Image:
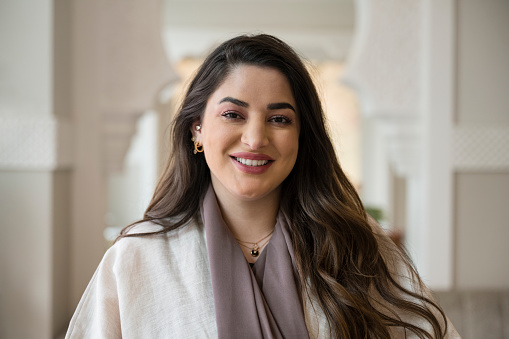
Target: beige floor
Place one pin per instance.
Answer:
(477, 314)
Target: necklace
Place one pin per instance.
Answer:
(255, 246)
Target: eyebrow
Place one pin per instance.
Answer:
(234, 101)
(280, 105)
(274, 106)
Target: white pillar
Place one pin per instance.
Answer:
(67, 68)
(119, 65)
(402, 68)
(35, 163)
(437, 175)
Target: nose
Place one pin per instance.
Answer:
(255, 134)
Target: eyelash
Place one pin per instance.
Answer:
(228, 115)
(286, 119)
(232, 115)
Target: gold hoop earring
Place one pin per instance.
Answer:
(197, 146)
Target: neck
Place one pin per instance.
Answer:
(249, 220)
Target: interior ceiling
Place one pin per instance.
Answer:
(318, 29)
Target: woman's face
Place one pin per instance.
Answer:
(250, 133)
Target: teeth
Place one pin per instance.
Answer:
(250, 162)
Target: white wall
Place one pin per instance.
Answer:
(483, 62)
(25, 254)
(482, 218)
(25, 60)
(482, 191)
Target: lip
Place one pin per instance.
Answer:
(251, 156)
(251, 169)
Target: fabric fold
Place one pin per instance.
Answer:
(260, 303)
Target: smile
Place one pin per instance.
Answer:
(250, 162)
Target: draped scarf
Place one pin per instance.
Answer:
(262, 302)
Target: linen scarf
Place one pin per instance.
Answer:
(259, 303)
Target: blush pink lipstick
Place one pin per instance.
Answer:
(251, 156)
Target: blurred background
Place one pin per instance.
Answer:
(417, 101)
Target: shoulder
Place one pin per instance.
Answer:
(142, 243)
(140, 260)
(160, 230)
(153, 272)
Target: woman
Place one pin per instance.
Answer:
(254, 231)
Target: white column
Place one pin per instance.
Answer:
(438, 104)
(402, 68)
(35, 163)
(119, 65)
(67, 69)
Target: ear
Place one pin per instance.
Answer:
(196, 129)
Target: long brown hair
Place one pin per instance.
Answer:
(343, 263)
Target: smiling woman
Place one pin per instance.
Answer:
(254, 231)
(250, 134)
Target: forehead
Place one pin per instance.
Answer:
(255, 83)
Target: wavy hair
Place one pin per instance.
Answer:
(344, 264)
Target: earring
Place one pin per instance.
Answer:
(198, 127)
(197, 147)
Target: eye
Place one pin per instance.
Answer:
(231, 115)
(281, 119)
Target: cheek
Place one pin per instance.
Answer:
(217, 142)
(295, 149)
(216, 139)
(290, 144)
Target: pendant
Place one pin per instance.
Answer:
(254, 251)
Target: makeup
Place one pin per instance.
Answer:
(251, 163)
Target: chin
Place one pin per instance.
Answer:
(252, 194)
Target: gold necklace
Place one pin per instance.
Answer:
(255, 245)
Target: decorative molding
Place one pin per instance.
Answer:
(30, 143)
(403, 145)
(318, 30)
(384, 64)
(184, 42)
(118, 130)
(481, 148)
(133, 69)
(131, 59)
(401, 68)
